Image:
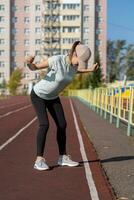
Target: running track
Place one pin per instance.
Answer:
(18, 179)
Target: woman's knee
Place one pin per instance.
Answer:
(44, 126)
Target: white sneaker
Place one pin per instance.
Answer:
(65, 160)
(41, 164)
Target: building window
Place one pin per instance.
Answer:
(26, 20)
(65, 51)
(2, 18)
(2, 30)
(98, 42)
(37, 19)
(86, 18)
(14, 30)
(26, 42)
(2, 7)
(37, 41)
(37, 75)
(71, 6)
(14, 8)
(25, 86)
(86, 30)
(71, 29)
(100, 19)
(14, 42)
(37, 7)
(98, 8)
(98, 31)
(2, 75)
(27, 8)
(26, 31)
(37, 52)
(2, 64)
(70, 17)
(14, 19)
(14, 53)
(2, 41)
(2, 52)
(26, 75)
(38, 30)
(86, 41)
(26, 53)
(86, 7)
(69, 40)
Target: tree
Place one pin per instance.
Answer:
(130, 62)
(116, 51)
(3, 84)
(14, 81)
(96, 78)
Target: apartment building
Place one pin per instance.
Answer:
(20, 35)
(48, 27)
(4, 40)
(101, 32)
(83, 20)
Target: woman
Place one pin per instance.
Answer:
(44, 95)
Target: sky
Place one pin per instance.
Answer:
(120, 20)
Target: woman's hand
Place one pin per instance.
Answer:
(29, 60)
(94, 67)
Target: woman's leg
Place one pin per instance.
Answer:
(56, 110)
(40, 108)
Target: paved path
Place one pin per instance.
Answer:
(114, 148)
(18, 179)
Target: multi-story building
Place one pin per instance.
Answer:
(83, 20)
(100, 32)
(4, 40)
(20, 35)
(48, 27)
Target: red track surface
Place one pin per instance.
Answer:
(18, 179)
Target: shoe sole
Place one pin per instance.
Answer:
(41, 169)
(68, 165)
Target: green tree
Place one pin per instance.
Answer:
(96, 78)
(14, 81)
(130, 62)
(120, 60)
(3, 85)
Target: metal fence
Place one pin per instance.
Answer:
(117, 102)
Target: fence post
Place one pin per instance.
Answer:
(106, 101)
(97, 100)
(130, 111)
(112, 102)
(119, 109)
(101, 102)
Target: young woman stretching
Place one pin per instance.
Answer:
(44, 96)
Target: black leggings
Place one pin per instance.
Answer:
(55, 108)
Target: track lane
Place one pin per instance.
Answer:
(12, 100)
(20, 181)
(10, 124)
(8, 107)
(23, 182)
(14, 111)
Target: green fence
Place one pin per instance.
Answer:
(117, 102)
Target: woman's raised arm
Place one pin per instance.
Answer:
(32, 66)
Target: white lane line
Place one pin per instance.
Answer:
(14, 111)
(13, 104)
(89, 177)
(17, 134)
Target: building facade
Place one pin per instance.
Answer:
(48, 27)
